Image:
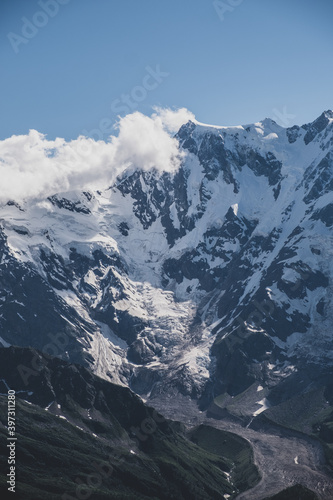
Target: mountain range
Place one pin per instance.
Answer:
(210, 284)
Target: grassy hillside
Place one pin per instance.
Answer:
(297, 492)
(235, 449)
(99, 441)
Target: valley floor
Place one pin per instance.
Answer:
(284, 457)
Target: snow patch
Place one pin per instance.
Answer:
(4, 343)
(264, 403)
(235, 208)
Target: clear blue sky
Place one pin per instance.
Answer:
(265, 55)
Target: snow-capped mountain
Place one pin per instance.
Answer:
(203, 281)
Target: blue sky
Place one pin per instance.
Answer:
(91, 59)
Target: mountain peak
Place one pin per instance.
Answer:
(328, 114)
(317, 126)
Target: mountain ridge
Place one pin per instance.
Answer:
(79, 434)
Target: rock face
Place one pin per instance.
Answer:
(200, 282)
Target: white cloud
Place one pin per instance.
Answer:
(33, 167)
(143, 142)
(173, 120)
